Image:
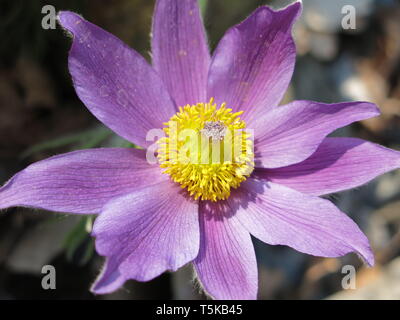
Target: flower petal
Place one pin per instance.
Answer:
(254, 62)
(149, 231)
(226, 264)
(81, 181)
(180, 51)
(290, 134)
(116, 84)
(279, 215)
(109, 280)
(337, 165)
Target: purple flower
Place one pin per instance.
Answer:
(150, 222)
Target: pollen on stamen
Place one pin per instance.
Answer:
(206, 150)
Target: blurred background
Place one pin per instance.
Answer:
(40, 115)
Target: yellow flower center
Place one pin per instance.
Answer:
(207, 150)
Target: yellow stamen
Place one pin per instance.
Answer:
(206, 150)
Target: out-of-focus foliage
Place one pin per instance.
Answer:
(84, 140)
(78, 244)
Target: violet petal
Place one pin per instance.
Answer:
(254, 62)
(179, 49)
(290, 134)
(278, 215)
(81, 181)
(338, 164)
(149, 231)
(114, 82)
(226, 265)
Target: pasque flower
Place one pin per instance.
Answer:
(158, 217)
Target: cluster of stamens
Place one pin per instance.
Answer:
(206, 150)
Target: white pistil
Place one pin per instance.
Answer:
(215, 130)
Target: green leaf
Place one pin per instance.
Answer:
(203, 7)
(86, 139)
(95, 139)
(78, 244)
